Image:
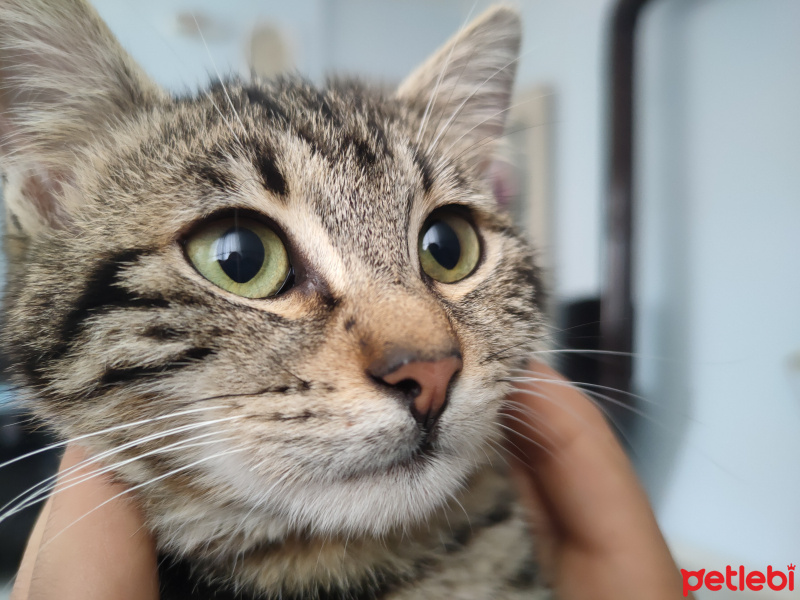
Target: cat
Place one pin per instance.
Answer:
(283, 315)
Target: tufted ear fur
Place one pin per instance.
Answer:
(63, 80)
(464, 90)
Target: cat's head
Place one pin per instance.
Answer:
(284, 307)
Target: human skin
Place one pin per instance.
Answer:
(78, 551)
(597, 533)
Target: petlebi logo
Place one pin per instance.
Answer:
(739, 579)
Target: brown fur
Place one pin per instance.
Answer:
(294, 476)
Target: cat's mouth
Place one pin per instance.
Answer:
(418, 457)
(429, 435)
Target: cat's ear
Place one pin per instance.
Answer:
(63, 80)
(463, 92)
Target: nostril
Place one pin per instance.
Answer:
(423, 386)
(409, 388)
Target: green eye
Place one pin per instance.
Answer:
(449, 249)
(240, 255)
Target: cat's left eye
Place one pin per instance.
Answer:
(240, 255)
(449, 248)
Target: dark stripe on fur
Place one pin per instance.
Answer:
(103, 290)
(425, 171)
(271, 177)
(462, 536)
(260, 97)
(163, 333)
(278, 116)
(179, 581)
(215, 176)
(124, 375)
(365, 156)
(526, 576)
(331, 141)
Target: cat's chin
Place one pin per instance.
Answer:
(373, 505)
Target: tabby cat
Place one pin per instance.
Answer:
(284, 315)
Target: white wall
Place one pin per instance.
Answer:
(718, 271)
(565, 48)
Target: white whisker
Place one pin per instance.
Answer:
(533, 428)
(222, 83)
(575, 386)
(581, 384)
(526, 438)
(461, 106)
(63, 485)
(495, 115)
(146, 483)
(104, 431)
(435, 92)
(594, 397)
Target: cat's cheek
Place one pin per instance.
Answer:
(470, 419)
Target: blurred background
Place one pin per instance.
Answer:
(714, 428)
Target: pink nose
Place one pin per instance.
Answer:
(424, 385)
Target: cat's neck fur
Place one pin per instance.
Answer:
(299, 565)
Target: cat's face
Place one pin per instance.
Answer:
(260, 401)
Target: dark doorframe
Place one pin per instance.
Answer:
(616, 307)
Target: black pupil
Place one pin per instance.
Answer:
(442, 242)
(240, 253)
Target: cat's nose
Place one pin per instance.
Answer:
(424, 385)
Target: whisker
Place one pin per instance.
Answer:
(47, 482)
(540, 377)
(146, 483)
(463, 104)
(62, 443)
(533, 428)
(104, 431)
(435, 92)
(466, 514)
(591, 392)
(584, 351)
(524, 437)
(637, 355)
(593, 398)
(497, 114)
(499, 450)
(507, 440)
(551, 400)
(59, 486)
(219, 77)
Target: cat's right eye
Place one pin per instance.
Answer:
(240, 255)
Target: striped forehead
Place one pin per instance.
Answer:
(341, 154)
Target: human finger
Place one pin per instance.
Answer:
(601, 522)
(89, 544)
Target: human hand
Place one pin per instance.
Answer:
(597, 535)
(78, 551)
